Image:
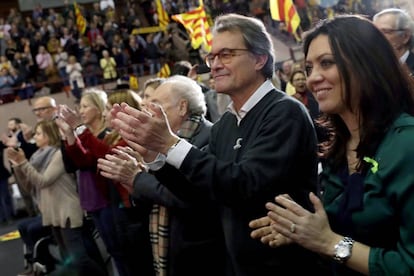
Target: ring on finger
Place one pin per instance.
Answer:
(293, 228)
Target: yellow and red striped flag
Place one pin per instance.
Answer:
(165, 71)
(163, 17)
(196, 24)
(80, 20)
(284, 10)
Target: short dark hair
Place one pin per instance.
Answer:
(16, 120)
(181, 68)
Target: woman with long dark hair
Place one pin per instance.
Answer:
(364, 220)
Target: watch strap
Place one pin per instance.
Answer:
(80, 129)
(345, 242)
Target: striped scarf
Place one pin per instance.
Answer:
(159, 223)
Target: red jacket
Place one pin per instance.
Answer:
(86, 152)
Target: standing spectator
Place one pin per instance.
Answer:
(108, 66)
(74, 71)
(61, 60)
(4, 35)
(136, 56)
(254, 153)
(121, 60)
(45, 64)
(284, 75)
(172, 221)
(31, 229)
(153, 53)
(107, 203)
(81, 48)
(90, 67)
(104, 4)
(11, 49)
(93, 32)
(52, 44)
(15, 134)
(98, 46)
(5, 63)
(6, 204)
(302, 93)
(56, 192)
(367, 181)
(23, 87)
(37, 12)
(6, 86)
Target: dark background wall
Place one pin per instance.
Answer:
(5, 6)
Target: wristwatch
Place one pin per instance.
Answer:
(343, 250)
(80, 129)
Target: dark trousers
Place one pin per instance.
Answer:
(76, 91)
(74, 253)
(31, 230)
(6, 205)
(104, 222)
(126, 239)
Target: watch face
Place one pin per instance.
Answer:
(343, 251)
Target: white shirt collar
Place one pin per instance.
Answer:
(265, 88)
(404, 57)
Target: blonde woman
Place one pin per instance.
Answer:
(119, 223)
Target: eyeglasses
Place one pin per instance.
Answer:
(390, 31)
(225, 56)
(41, 109)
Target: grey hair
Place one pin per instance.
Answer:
(403, 21)
(186, 88)
(255, 36)
(153, 82)
(52, 102)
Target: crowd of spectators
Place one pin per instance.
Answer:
(36, 46)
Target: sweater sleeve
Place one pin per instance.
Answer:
(81, 155)
(31, 176)
(395, 180)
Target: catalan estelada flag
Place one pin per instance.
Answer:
(80, 20)
(196, 24)
(284, 10)
(163, 18)
(165, 71)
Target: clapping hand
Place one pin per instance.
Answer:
(15, 155)
(121, 166)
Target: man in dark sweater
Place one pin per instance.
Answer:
(265, 145)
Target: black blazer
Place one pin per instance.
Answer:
(410, 62)
(196, 244)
